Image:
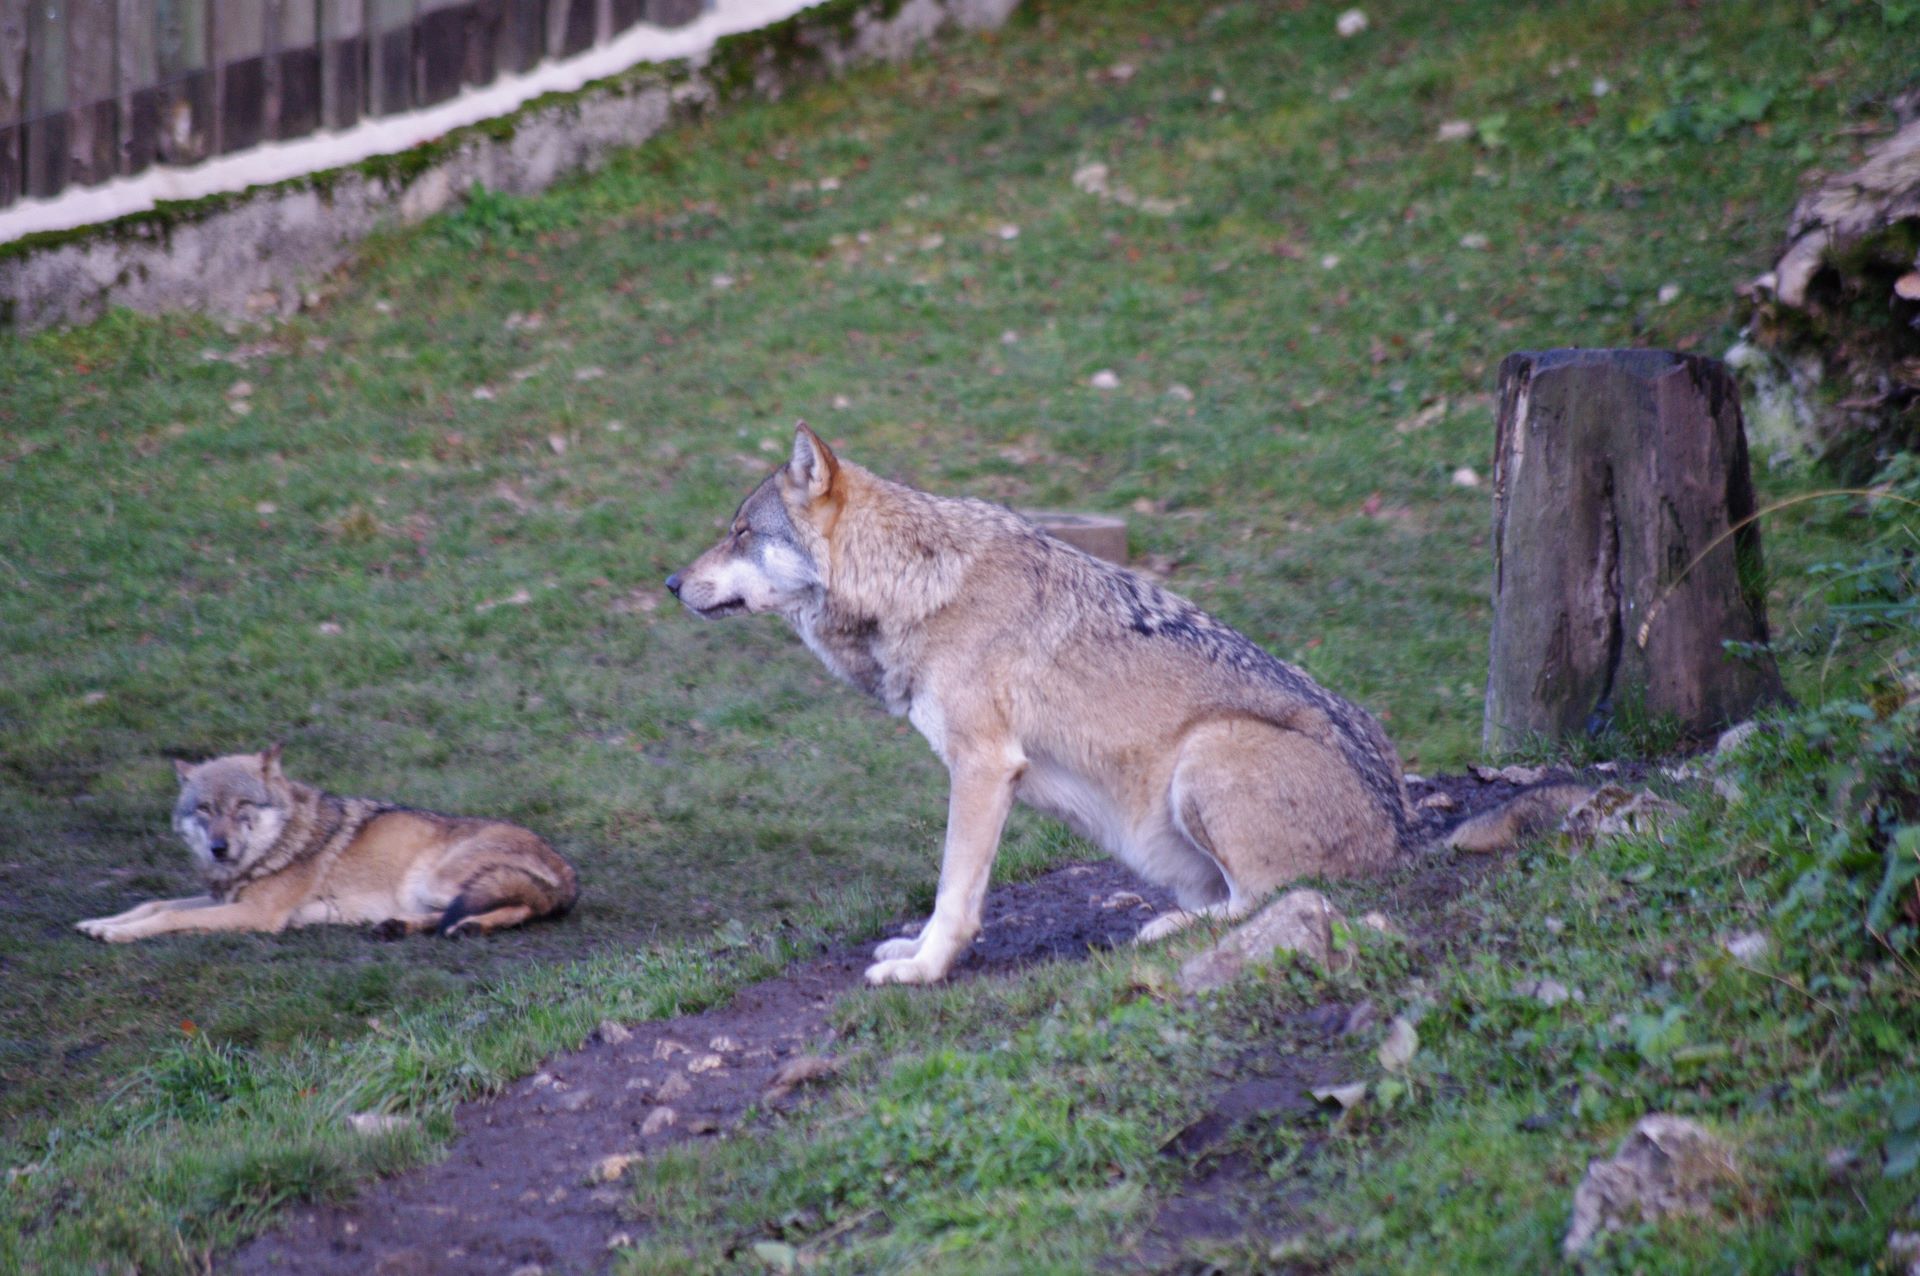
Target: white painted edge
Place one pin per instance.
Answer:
(273, 162)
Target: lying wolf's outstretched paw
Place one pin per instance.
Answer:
(909, 970)
(105, 930)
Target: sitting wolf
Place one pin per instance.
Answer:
(278, 853)
(1037, 672)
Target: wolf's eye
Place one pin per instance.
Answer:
(203, 810)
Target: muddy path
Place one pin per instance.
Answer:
(526, 1187)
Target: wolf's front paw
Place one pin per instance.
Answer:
(103, 928)
(904, 948)
(908, 970)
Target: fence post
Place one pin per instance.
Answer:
(523, 35)
(46, 160)
(185, 95)
(293, 34)
(135, 72)
(93, 108)
(239, 31)
(343, 58)
(389, 56)
(440, 49)
(13, 96)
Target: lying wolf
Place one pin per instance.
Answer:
(1040, 673)
(278, 853)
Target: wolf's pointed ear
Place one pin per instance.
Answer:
(182, 768)
(270, 761)
(814, 464)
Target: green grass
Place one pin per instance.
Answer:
(186, 569)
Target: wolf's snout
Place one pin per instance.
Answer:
(217, 848)
(673, 584)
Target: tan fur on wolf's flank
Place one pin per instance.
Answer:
(1039, 673)
(289, 854)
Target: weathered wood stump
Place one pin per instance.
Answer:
(1842, 305)
(1613, 471)
(1101, 535)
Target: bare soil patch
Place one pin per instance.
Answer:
(520, 1188)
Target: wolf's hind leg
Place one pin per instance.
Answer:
(1272, 804)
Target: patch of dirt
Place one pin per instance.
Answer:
(520, 1188)
(517, 1187)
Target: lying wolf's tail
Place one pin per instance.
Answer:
(506, 894)
(1526, 813)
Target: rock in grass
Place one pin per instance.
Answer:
(378, 1123)
(801, 1071)
(1668, 1165)
(1299, 921)
(1548, 992)
(657, 1120)
(614, 1034)
(610, 1169)
(1903, 1253)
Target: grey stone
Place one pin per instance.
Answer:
(1667, 1165)
(1299, 921)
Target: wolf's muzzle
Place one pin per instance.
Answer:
(673, 584)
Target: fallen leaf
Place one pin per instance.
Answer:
(1397, 1049)
(1344, 1095)
(518, 598)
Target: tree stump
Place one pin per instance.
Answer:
(1613, 471)
(1841, 306)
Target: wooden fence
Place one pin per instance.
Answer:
(96, 89)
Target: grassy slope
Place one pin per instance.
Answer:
(171, 562)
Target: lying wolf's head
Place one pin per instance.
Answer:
(773, 557)
(231, 810)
